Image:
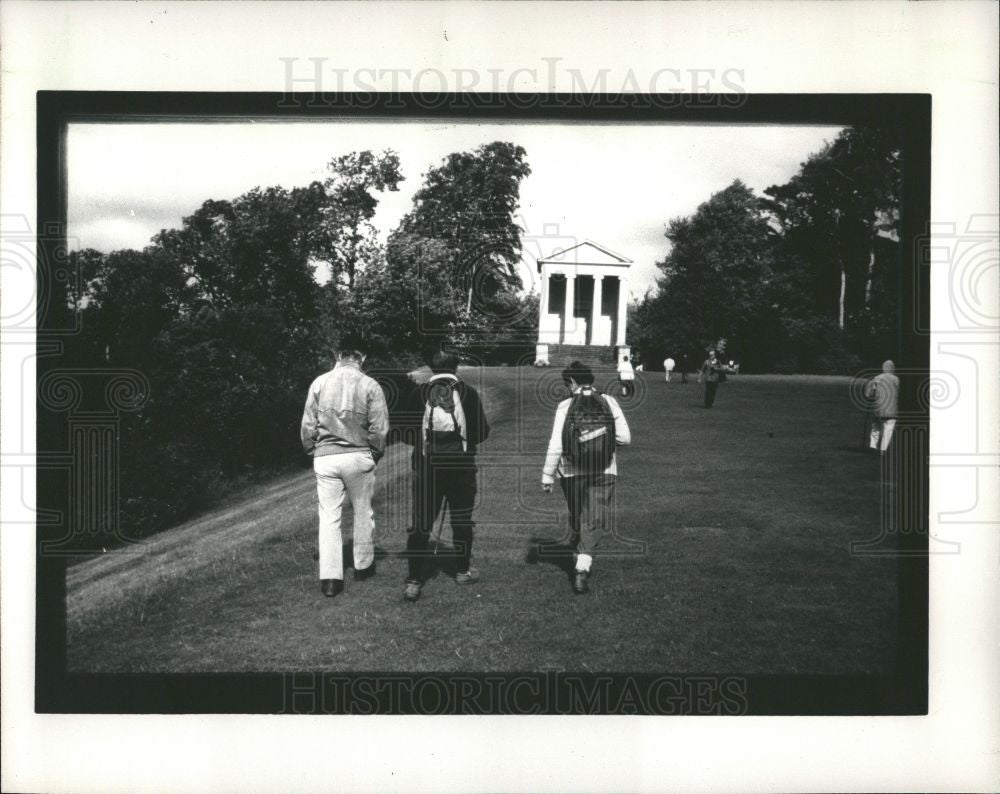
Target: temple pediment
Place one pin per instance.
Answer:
(586, 253)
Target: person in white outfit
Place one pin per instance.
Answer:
(668, 367)
(626, 375)
(344, 429)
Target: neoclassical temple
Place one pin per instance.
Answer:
(582, 304)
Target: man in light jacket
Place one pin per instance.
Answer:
(883, 391)
(589, 495)
(344, 429)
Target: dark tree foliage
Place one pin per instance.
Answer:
(837, 232)
(468, 203)
(716, 282)
(803, 279)
(222, 317)
(347, 236)
(225, 318)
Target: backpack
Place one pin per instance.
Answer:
(442, 434)
(588, 436)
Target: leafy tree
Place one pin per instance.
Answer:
(468, 204)
(347, 237)
(803, 279)
(257, 249)
(124, 300)
(406, 300)
(716, 280)
(832, 216)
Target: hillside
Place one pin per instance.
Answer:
(732, 555)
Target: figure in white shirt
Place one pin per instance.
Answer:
(626, 376)
(668, 367)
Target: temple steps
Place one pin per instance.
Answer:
(595, 356)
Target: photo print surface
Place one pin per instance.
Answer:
(724, 294)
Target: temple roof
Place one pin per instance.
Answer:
(586, 253)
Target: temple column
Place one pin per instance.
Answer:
(570, 323)
(543, 302)
(622, 311)
(595, 313)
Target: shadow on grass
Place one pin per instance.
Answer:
(558, 553)
(442, 557)
(347, 549)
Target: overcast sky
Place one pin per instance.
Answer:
(616, 184)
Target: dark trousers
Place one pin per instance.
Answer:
(435, 484)
(710, 387)
(590, 499)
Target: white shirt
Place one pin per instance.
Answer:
(555, 461)
(668, 364)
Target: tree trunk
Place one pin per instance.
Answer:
(843, 291)
(468, 303)
(843, 271)
(868, 279)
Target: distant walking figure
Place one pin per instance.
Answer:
(684, 368)
(626, 375)
(711, 372)
(344, 427)
(587, 428)
(668, 367)
(883, 390)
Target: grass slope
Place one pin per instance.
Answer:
(731, 555)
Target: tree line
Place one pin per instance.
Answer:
(228, 322)
(803, 278)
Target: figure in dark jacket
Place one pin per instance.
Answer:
(444, 469)
(711, 372)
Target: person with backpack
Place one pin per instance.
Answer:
(588, 427)
(344, 427)
(444, 465)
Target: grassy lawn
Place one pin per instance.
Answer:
(731, 555)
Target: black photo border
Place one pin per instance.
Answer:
(904, 692)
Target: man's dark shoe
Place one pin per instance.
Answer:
(331, 587)
(580, 585)
(364, 573)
